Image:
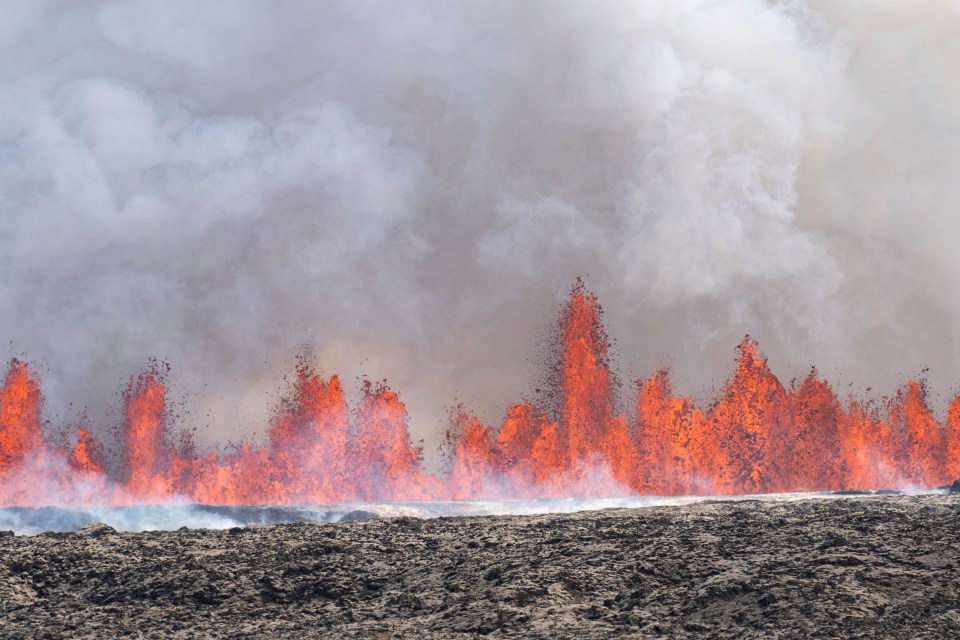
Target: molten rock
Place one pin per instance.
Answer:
(758, 436)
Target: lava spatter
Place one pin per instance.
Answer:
(758, 436)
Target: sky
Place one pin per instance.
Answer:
(408, 191)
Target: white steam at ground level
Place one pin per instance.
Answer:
(174, 515)
(406, 188)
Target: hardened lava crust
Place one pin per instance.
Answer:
(854, 567)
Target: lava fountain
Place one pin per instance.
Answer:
(757, 437)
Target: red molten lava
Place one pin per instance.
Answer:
(20, 403)
(757, 437)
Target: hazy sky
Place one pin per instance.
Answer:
(407, 190)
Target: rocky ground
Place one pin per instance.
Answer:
(853, 567)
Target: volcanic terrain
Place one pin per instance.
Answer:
(878, 566)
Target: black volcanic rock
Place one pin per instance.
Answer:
(357, 515)
(852, 567)
(97, 530)
(955, 487)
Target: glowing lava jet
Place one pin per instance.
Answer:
(757, 437)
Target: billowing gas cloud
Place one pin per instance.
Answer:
(405, 189)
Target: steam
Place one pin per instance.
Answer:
(405, 188)
(171, 516)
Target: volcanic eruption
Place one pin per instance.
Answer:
(758, 436)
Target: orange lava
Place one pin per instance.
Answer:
(87, 454)
(145, 427)
(758, 437)
(20, 404)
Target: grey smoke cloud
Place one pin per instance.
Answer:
(408, 189)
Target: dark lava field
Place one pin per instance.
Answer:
(855, 567)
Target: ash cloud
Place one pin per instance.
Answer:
(408, 189)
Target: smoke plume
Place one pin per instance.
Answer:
(405, 190)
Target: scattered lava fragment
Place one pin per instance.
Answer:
(757, 437)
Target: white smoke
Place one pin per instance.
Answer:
(407, 188)
(168, 517)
